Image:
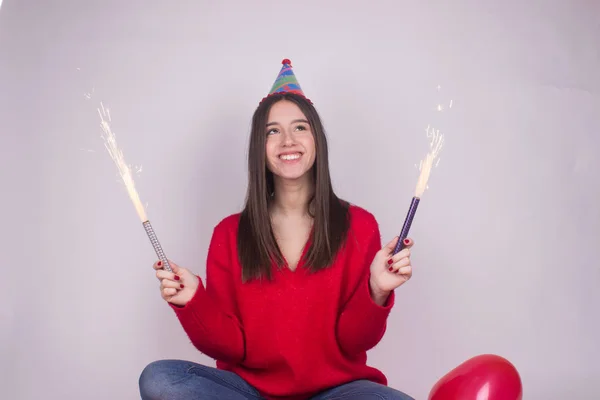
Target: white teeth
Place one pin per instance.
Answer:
(290, 156)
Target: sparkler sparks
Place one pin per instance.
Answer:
(125, 171)
(435, 147)
(126, 174)
(436, 142)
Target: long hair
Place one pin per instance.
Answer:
(257, 247)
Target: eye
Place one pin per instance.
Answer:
(301, 128)
(272, 131)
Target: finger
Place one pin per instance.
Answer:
(408, 243)
(405, 271)
(168, 292)
(162, 274)
(165, 283)
(405, 253)
(403, 262)
(174, 267)
(161, 265)
(388, 248)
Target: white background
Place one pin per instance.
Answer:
(504, 256)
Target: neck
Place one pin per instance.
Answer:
(291, 197)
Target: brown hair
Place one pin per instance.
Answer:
(257, 247)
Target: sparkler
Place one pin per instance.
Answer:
(126, 175)
(436, 141)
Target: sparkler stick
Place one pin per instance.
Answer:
(126, 174)
(435, 146)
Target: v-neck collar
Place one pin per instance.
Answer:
(301, 263)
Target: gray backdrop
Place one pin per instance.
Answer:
(504, 256)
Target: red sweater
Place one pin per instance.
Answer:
(299, 334)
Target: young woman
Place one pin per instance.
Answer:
(298, 286)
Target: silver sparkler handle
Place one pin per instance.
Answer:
(157, 247)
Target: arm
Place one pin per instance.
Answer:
(362, 322)
(209, 318)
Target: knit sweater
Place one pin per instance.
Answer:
(298, 334)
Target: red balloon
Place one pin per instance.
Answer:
(484, 377)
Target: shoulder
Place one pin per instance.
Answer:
(224, 234)
(230, 221)
(361, 219)
(227, 225)
(364, 228)
(364, 237)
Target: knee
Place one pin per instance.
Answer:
(377, 391)
(154, 381)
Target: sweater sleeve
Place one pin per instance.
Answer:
(209, 318)
(362, 322)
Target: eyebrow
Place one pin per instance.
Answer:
(293, 122)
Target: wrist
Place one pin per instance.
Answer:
(377, 295)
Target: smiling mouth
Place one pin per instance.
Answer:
(290, 157)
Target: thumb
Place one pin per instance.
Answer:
(389, 248)
(174, 267)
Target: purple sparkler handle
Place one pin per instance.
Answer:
(407, 223)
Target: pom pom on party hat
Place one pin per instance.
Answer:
(286, 81)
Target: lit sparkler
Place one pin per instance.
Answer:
(126, 174)
(436, 141)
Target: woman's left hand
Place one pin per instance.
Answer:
(390, 271)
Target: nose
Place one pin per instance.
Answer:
(287, 138)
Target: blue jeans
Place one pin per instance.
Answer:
(184, 380)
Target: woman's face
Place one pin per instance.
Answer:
(290, 144)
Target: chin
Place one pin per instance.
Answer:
(292, 176)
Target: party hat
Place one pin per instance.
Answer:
(286, 80)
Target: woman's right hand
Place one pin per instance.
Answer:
(177, 287)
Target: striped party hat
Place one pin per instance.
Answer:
(286, 80)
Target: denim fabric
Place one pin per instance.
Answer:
(184, 380)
